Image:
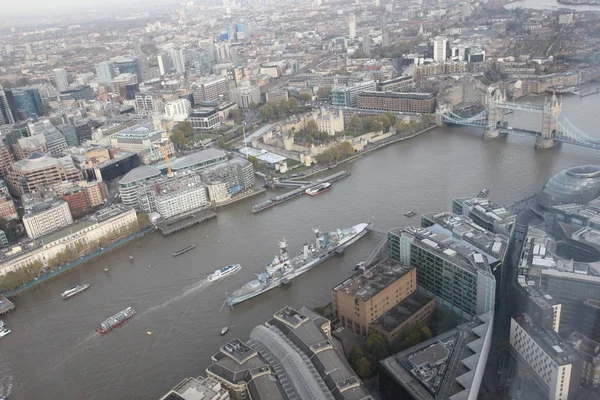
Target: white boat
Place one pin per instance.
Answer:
(74, 290)
(224, 330)
(1, 324)
(320, 188)
(4, 332)
(223, 272)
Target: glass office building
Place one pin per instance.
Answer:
(29, 101)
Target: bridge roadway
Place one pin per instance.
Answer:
(296, 192)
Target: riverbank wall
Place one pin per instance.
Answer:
(30, 285)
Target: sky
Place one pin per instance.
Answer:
(61, 5)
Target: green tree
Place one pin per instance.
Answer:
(377, 346)
(267, 112)
(363, 368)
(237, 116)
(254, 161)
(186, 127)
(426, 333)
(178, 138)
(355, 124)
(391, 117)
(311, 127)
(324, 92)
(252, 106)
(305, 97)
(293, 103)
(143, 220)
(356, 353)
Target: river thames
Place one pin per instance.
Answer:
(53, 351)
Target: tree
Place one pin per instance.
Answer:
(363, 368)
(377, 346)
(284, 107)
(311, 127)
(186, 127)
(356, 353)
(293, 103)
(355, 124)
(252, 106)
(267, 112)
(426, 333)
(305, 97)
(178, 138)
(254, 161)
(237, 116)
(324, 92)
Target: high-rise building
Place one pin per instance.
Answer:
(28, 102)
(366, 35)
(589, 351)
(178, 110)
(7, 208)
(557, 366)
(6, 159)
(8, 108)
(209, 88)
(121, 81)
(38, 170)
(46, 218)
(70, 134)
(453, 271)
(352, 26)
(61, 78)
(105, 72)
(246, 95)
(165, 64)
(129, 65)
(28, 145)
(77, 92)
(440, 45)
(178, 60)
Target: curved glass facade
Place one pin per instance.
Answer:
(579, 185)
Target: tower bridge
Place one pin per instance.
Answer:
(555, 127)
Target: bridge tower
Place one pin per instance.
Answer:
(495, 114)
(441, 110)
(551, 112)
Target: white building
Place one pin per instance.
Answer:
(440, 44)
(136, 138)
(556, 365)
(209, 88)
(245, 95)
(178, 110)
(144, 103)
(105, 71)
(128, 185)
(48, 218)
(62, 79)
(330, 122)
(112, 219)
(217, 191)
(352, 26)
(198, 389)
(178, 60)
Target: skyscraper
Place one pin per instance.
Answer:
(164, 64)
(8, 108)
(62, 80)
(352, 26)
(439, 49)
(178, 60)
(366, 41)
(129, 65)
(28, 101)
(105, 72)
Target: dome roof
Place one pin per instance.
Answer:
(580, 184)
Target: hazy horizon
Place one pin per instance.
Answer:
(24, 6)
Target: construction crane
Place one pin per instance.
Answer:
(165, 152)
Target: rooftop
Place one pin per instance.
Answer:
(548, 340)
(401, 312)
(442, 367)
(196, 389)
(374, 280)
(398, 95)
(139, 174)
(200, 157)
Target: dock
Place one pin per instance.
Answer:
(296, 192)
(170, 227)
(6, 305)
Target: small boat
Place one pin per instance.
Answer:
(179, 252)
(106, 269)
(73, 290)
(1, 324)
(149, 266)
(130, 258)
(483, 193)
(320, 188)
(4, 331)
(116, 320)
(149, 333)
(223, 272)
(224, 330)
(409, 214)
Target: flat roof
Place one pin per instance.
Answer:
(431, 355)
(401, 312)
(374, 280)
(398, 95)
(552, 344)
